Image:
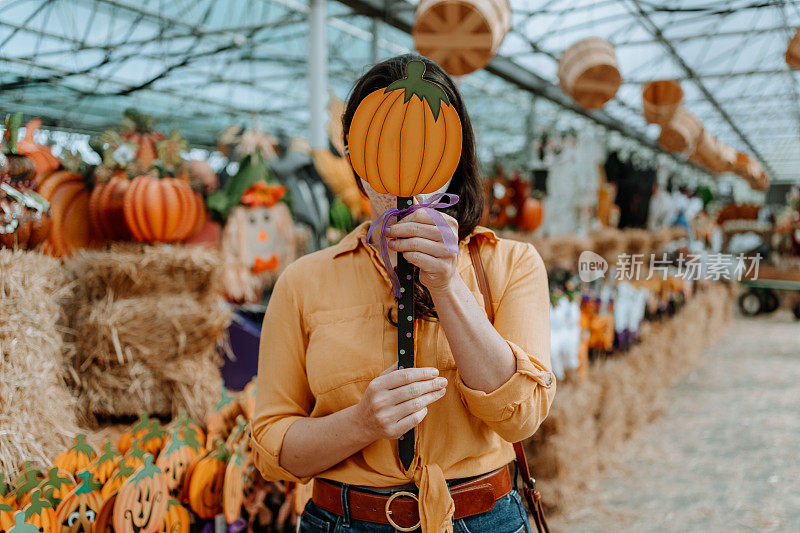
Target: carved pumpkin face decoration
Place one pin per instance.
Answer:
(206, 483)
(175, 461)
(406, 139)
(142, 500)
(78, 510)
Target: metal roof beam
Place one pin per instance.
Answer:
(520, 77)
(697, 37)
(654, 30)
(713, 75)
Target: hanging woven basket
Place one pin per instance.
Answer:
(681, 132)
(660, 100)
(793, 51)
(461, 36)
(589, 73)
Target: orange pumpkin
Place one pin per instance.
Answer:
(6, 491)
(142, 501)
(404, 145)
(29, 479)
(104, 523)
(206, 481)
(41, 155)
(137, 431)
(7, 517)
(177, 519)
(57, 485)
(135, 456)
(152, 441)
(40, 514)
(106, 208)
(69, 207)
(234, 483)
(138, 129)
(79, 509)
(103, 467)
(116, 481)
(175, 461)
(160, 210)
(531, 215)
(221, 420)
(188, 430)
(78, 457)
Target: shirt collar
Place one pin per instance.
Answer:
(358, 236)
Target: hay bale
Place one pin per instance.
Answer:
(639, 241)
(129, 270)
(37, 410)
(148, 328)
(194, 385)
(609, 244)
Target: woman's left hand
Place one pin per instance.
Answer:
(418, 238)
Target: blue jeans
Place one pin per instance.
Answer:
(508, 516)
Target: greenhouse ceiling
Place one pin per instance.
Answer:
(200, 65)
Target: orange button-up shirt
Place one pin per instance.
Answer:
(326, 336)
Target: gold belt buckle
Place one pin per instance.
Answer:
(389, 511)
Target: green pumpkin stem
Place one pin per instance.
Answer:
(414, 84)
(88, 483)
(225, 398)
(37, 504)
(109, 454)
(21, 526)
(148, 470)
(81, 446)
(5, 488)
(54, 480)
(143, 423)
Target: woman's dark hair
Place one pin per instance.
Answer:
(466, 182)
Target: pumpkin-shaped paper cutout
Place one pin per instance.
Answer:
(41, 514)
(77, 457)
(206, 482)
(57, 485)
(78, 510)
(29, 479)
(137, 431)
(406, 139)
(177, 519)
(20, 525)
(234, 483)
(104, 523)
(6, 490)
(185, 424)
(175, 461)
(104, 466)
(135, 456)
(116, 481)
(7, 517)
(221, 420)
(142, 500)
(152, 441)
(247, 399)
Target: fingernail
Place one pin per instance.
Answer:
(441, 382)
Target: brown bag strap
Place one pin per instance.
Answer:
(532, 495)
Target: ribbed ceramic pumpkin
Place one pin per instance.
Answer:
(206, 481)
(79, 509)
(160, 210)
(142, 501)
(406, 139)
(40, 514)
(78, 457)
(56, 485)
(104, 466)
(69, 206)
(177, 519)
(175, 460)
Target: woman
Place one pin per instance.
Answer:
(332, 403)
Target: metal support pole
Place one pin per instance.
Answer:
(373, 52)
(317, 72)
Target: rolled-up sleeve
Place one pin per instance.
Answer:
(522, 317)
(282, 392)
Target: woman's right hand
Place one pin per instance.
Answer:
(397, 400)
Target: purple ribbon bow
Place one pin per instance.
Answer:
(448, 236)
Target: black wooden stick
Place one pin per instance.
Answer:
(405, 333)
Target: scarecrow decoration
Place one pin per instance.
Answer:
(405, 140)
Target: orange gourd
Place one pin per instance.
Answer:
(40, 514)
(78, 457)
(206, 481)
(160, 210)
(531, 215)
(41, 155)
(106, 208)
(104, 466)
(142, 501)
(79, 509)
(406, 139)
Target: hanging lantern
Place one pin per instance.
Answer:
(461, 36)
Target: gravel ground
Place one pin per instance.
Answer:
(725, 455)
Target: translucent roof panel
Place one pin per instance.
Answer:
(200, 65)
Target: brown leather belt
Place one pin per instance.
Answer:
(400, 509)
